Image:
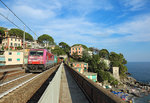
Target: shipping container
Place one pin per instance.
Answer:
(55, 59)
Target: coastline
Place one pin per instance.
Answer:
(131, 90)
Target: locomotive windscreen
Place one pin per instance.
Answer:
(36, 53)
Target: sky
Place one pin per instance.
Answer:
(121, 26)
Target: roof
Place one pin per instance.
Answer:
(89, 73)
(79, 63)
(77, 46)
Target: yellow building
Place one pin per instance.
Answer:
(77, 49)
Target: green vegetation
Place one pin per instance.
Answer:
(65, 47)
(45, 39)
(100, 67)
(19, 33)
(2, 31)
(58, 51)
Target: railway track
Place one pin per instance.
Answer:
(22, 88)
(10, 74)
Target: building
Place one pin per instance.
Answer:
(52, 46)
(11, 42)
(77, 49)
(90, 53)
(106, 61)
(90, 75)
(11, 57)
(115, 71)
(32, 44)
(2, 58)
(80, 66)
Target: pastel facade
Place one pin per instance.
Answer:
(11, 58)
(11, 42)
(80, 66)
(90, 75)
(77, 49)
(2, 58)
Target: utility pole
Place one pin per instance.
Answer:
(24, 47)
(35, 41)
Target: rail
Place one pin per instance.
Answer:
(95, 93)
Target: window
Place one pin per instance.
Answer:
(11, 39)
(79, 48)
(15, 44)
(3, 43)
(18, 59)
(15, 39)
(79, 51)
(18, 53)
(72, 48)
(18, 44)
(36, 53)
(76, 48)
(18, 39)
(9, 59)
(11, 44)
(10, 53)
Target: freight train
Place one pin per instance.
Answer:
(40, 60)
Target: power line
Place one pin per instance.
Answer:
(10, 21)
(18, 17)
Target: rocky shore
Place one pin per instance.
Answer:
(129, 88)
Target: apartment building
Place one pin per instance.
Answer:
(77, 49)
(11, 42)
(80, 66)
(12, 58)
(91, 75)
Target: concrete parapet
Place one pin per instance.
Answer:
(94, 93)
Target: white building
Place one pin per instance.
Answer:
(90, 53)
(106, 61)
(11, 42)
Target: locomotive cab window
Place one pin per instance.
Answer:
(40, 53)
(36, 53)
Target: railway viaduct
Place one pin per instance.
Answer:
(66, 86)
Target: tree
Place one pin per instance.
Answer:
(119, 61)
(65, 47)
(45, 39)
(103, 66)
(85, 56)
(19, 33)
(75, 56)
(2, 33)
(104, 53)
(58, 51)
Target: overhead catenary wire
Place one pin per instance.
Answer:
(18, 17)
(10, 21)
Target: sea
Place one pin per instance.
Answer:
(141, 72)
